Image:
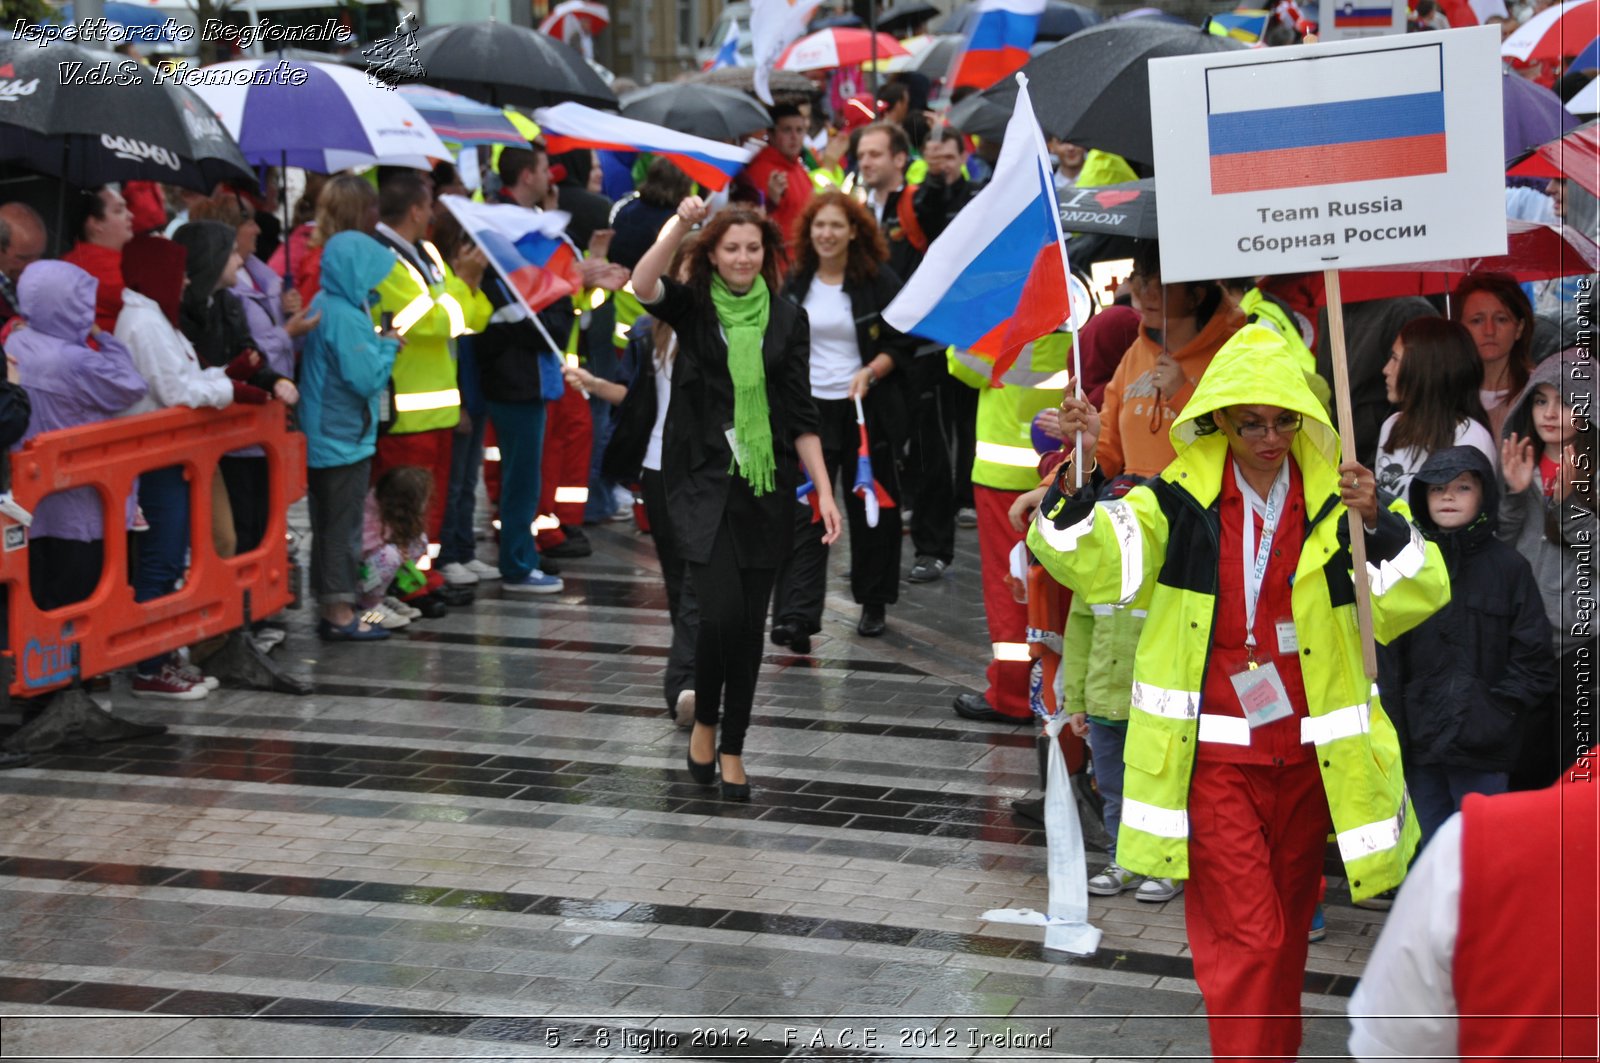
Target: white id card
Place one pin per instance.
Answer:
(1288, 640)
(733, 445)
(1262, 695)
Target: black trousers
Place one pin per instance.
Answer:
(250, 495)
(874, 552)
(733, 614)
(930, 466)
(64, 571)
(682, 605)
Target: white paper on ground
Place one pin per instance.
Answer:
(1067, 926)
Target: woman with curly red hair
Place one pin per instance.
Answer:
(842, 280)
(739, 423)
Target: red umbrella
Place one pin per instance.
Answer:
(1555, 33)
(1576, 155)
(1535, 252)
(834, 48)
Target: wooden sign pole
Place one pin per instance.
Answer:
(1347, 452)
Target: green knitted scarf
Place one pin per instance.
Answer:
(744, 321)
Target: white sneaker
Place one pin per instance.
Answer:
(399, 608)
(1157, 890)
(379, 616)
(482, 569)
(457, 573)
(685, 709)
(1113, 880)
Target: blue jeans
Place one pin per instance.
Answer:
(519, 429)
(164, 498)
(457, 543)
(600, 506)
(1437, 792)
(1105, 746)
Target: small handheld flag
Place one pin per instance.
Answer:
(866, 487)
(528, 249)
(708, 162)
(997, 43)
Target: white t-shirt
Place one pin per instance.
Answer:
(1396, 469)
(835, 355)
(652, 453)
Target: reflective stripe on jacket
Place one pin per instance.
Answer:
(1005, 457)
(429, 315)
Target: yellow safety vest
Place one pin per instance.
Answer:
(1005, 457)
(429, 313)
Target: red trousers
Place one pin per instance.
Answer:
(1008, 618)
(1256, 839)
(564, 469)
(431, 450)
(491, 465)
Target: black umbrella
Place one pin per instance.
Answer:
(980, 117)
(1127, 209)
(88, 134)
(906, 15)
(503, 64)
(704, 110)
(934, 61)
(1094, 89)
(1059, 21)
(786, 85)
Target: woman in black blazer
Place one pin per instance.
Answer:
(730, 466)
(842, 281)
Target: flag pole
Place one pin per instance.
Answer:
(1066, 278)
(1347, 452)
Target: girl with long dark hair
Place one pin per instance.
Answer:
(740, 421)
(1434, 376)
(1495, 311)
(843, 281)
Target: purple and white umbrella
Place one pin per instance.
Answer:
(331, 120)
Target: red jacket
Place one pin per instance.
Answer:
(1524, 971)
(787, 211)
(105, 266)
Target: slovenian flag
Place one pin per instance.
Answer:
(1354, 16)
(997, 42)
(996, 279)
(529, 249)
(1373, 116)
(708, 163)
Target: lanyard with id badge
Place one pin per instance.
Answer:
(1259, 687)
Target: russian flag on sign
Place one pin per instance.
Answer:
(1351, 16)
(529, 249)
(708, 162)
(997, 44)
(1372, 116)
(996, 279)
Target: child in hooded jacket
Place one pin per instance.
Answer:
(393, 533)
(1547, 465)
(1457, 685)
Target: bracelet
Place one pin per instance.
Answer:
(872, 376)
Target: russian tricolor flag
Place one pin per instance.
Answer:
(1352, 16)
(996, 279)
(529, 249)
(709, 163)
(1372, 116)
(998, 42)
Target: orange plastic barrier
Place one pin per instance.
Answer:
(109, 630)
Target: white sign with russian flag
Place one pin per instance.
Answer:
(1327, 156)
(1348, 20)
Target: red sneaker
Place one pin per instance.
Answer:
(168, 684)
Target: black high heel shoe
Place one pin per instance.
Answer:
(704, 774)
(734, 791)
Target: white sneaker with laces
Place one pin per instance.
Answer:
(457, 573)
(482, 569)
(380, 616)
(1157, 890)
(1113, 880)
(399, 608)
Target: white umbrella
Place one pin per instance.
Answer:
(333, 120)
(1555, 32)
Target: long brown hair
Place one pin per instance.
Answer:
(1438, 384)
(867, 249)
(1505, 288)
(403, 493)
(700, 267)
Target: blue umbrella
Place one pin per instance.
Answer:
(1532, 115)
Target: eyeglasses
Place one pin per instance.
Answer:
(1285, 426)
